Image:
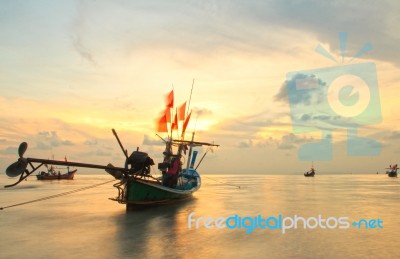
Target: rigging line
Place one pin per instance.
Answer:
(190, 98)
(56, 195)
(221, 182)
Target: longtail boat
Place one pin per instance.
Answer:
(140, 188)
(311, 172)
(53, 174)
(392, 172)
(137, 187)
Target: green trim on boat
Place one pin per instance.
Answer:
(138, 191)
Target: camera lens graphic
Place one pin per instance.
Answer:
(348, 95)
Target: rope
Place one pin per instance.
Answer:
(57, 195)
(221, 182)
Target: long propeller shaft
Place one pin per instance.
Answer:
(57, 162)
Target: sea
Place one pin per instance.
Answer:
(231, 216)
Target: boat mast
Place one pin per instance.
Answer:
(190, 98)
(190, 153)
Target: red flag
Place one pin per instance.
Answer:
(175, 123)
(168, 114)
(186, 123)
(181, 112)
(170, 99)
(162, 124)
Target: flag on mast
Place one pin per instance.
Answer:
(162, 123)
(168, 114)
(170, 99)
(174, 125)
(181, 112)
(185, 124)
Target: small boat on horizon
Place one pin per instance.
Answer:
(310, 173)
(53, 174)
(392, 172)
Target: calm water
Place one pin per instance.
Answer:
(87, 225)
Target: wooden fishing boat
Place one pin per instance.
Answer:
(142, 189)
(392, 172)
(53, 174)
(311, 172)
(137, 187)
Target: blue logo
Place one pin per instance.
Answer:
(279, 222)
(340, 97)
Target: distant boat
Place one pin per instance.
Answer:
(310, 173)
(52, 174)
(392, 172)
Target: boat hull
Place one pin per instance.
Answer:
(309, 174)
(392, 174)
(68, 176)
(146, 193)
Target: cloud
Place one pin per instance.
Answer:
(286, 142)
(81, 49)
(267, 142)
(387, 138)
(202, 112)
(310, 122)
(253, 123)
(289, 90)
(92, 142)
(9, 151)
(291, 141)
(393, 135)
(125, 102)
(245, 144)
(221, 27)
(152, 141)
(47, 140)
(102, 152)
(246, 126)
(375, 22)
(78, 31)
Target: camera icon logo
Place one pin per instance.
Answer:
(340, 97)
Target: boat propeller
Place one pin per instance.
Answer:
(20, 166)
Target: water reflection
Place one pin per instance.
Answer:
(86, 224)
(154, 231)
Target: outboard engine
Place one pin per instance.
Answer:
(139, 163)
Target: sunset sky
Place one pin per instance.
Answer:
(70, 71)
